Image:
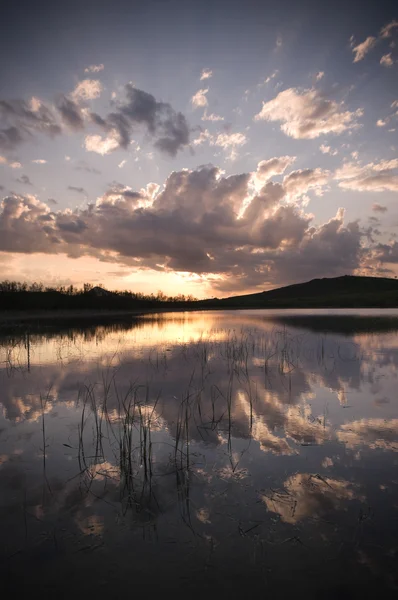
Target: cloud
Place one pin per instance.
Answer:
(168, 127)
(20, 120)
(386, 253)
(121, 164)
(387, 60)
(273, 166)
(308, 114)
(362, 49)
(11, 164)
(373, 177)
(388, 29)
(298, 183)
(78, 190)
(374, 433)
(101, 145)
(271, 77)
(379, 208)
(327, 150)
(24, 179)
(70, 112)
(88, 89)
(199, 99)
(83, 166)
(227, 141)
(206, 74)
(39, 161)
(200, 222)
(381, 123)
(212, 117)
(309, 496)
(320, 75)
(94, 68)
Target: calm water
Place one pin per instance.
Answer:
(208, 452)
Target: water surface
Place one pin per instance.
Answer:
(209, 452)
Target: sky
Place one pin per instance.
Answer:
(205, 148)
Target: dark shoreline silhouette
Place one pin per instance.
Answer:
(18, 301)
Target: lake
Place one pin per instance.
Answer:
(201, 452)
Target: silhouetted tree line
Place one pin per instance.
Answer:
(15, 295)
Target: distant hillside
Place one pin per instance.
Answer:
(344, 292)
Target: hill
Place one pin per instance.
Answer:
(348, 291)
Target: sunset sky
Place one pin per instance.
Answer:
(209, 148)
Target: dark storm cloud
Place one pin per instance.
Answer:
(197, 223)
(70, 113)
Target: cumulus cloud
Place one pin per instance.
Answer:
(273, 166)
(362, 49)
(199, 99)
(88, 89)
(300, 182)
(206, 74)
(13, 164)
(381, 123)
(320, 75)
(200, 222)
(94, 68)
(308, 114)
(372, 177)
(387, 60)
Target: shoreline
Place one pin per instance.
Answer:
(41, 316)
(59, 315)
